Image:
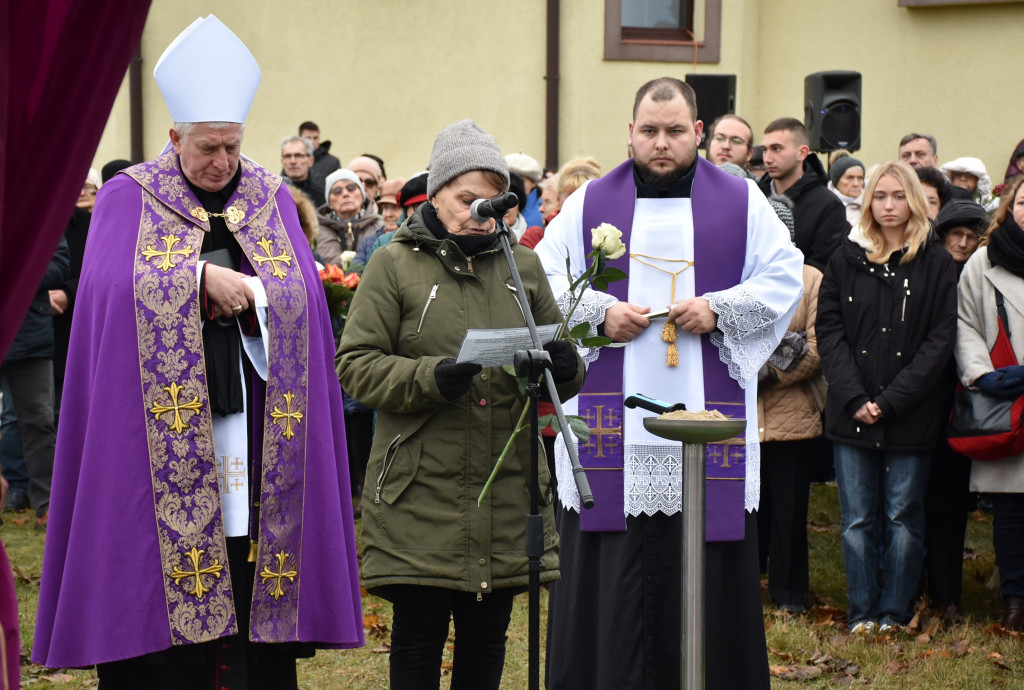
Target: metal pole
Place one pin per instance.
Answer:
(694, 476)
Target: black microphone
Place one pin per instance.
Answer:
(482, 209)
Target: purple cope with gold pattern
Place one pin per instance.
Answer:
(179, 426)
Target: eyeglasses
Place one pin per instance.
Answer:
(350, 188)
(293, 156)
(368, 181)
(735, 141)
(89, 189)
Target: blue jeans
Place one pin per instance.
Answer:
(881, 500)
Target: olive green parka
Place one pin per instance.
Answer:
(430, 456)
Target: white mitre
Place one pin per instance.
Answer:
(207, 74)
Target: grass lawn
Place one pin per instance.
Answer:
(811, 651)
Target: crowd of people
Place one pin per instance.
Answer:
(834, 308)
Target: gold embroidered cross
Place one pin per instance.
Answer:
(598, 430)
(267, 574)
(196, 556)
(193, 405)
(283, 257)
(169, 243)
(233, 214)
(287, 416)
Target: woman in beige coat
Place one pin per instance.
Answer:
(998, 265)
(790, 426)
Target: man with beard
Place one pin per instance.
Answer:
(708, 246)
(730, 141)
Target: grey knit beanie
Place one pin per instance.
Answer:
(840, 167)
(459, 148)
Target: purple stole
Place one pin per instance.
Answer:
(719, 204)
(186, 495)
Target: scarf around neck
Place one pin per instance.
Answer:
(1006, 247)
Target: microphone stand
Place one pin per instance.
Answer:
(531, 363)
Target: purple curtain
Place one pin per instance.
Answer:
(61, 64)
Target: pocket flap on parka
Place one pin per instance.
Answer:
(402, 470)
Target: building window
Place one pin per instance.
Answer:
(663, 30)
(664, 20)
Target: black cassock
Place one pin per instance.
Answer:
(614, 619)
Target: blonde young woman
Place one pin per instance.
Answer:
(886, 328)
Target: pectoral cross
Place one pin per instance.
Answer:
(169, 243)
(287, 416)
(196, 555)
(267, 574)
(283, 257)
(193, 405)
(598, 430)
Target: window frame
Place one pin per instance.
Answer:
(659, 45)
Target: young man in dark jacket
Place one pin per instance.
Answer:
(820, 218)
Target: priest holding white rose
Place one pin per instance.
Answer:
(708, 247)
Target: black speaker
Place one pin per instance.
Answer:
(832, 110)
(716, 96)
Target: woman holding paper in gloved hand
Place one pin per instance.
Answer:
(427, 547)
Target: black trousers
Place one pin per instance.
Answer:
(230, 663)
(420, 629)
(30, 383)
(946, 505)
(782, 518)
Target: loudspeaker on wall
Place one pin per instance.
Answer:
(716, 96)
(832, 110)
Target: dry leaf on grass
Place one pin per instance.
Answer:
(795, 672)
(997, 660)
(384, 648)
(59, 678)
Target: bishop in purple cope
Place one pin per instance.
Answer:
(150, 571)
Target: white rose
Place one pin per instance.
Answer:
(346, 259)
(609, 238)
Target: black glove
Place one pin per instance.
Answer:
(455, 379)
(564, 362)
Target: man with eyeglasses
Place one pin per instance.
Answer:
(730, 140)
(297, 163)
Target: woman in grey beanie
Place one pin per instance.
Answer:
(846, 180)
(427, 545)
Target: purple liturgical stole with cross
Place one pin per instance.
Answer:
(719, 205)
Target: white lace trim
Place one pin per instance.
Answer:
(653, 478)
(590, 309)
(745, 337)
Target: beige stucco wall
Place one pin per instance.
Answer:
(385, 76)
